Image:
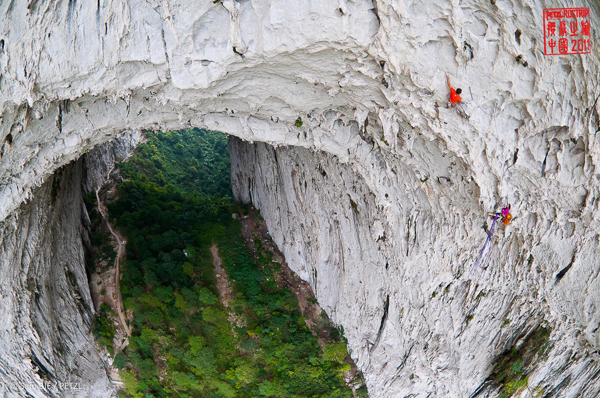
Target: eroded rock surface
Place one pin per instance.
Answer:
(376, 181)
(396, 271)
(46, 311)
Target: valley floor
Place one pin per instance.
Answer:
(212, 308)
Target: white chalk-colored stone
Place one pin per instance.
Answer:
(368, 81)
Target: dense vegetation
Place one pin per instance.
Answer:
(512, 368)
(172, 207)
(195, 161)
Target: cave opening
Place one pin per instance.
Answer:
(206, 302)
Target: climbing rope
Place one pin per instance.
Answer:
(480, 108)
(482, 260)
(486, 250)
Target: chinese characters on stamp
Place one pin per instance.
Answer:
(567, 31)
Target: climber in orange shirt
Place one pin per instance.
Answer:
(454, 94)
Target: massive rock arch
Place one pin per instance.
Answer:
(377, 195)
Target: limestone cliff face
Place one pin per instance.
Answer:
(46, 309)
(100, 161)
(395, 271)
(369, 178)
(47, 312)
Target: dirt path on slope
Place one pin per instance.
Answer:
(318, 323)
(225, 290)
(125, 331)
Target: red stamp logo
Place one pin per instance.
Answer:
(567, 31)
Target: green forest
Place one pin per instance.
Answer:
(174, 204)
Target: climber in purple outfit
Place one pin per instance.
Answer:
(504, 215)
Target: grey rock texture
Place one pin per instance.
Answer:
(46, 311)
(100, 161)
(390, 259)
(46, 336)
(410, 181)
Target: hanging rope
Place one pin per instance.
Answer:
(484, 255)
(486, 250)
(480, 108)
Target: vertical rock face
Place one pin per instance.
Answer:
(394, 268)
(350, 94)
(46, 311)
(45, 307)
(100, 161)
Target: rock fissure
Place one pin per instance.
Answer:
(386, 307)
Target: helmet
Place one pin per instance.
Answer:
(506, 219)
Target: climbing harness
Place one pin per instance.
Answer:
(455, 101)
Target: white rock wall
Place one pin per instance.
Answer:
(367, 78)
(388, 240)
(46, 311)
(100, 161)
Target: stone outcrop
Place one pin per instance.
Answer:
(100, 161)
(366, 177)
